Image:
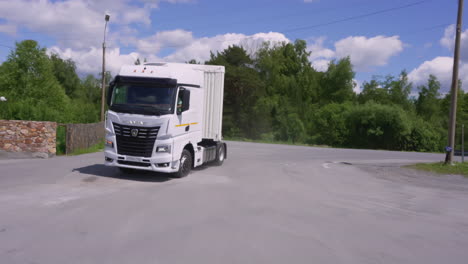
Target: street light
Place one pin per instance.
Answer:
(104, 69)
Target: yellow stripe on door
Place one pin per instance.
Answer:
(182, 125)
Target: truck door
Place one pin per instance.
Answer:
(185, 115)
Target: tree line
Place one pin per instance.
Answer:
(46, 87)
(276, 95)
(272, 95)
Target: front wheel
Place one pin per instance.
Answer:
(220, 155)
(185, 165)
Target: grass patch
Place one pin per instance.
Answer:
(95, 148)
(61, 144)
(61, 140)
(439, 167)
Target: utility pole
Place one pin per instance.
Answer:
(454, 90)
(103, 97)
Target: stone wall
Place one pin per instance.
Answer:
(27, 138)
(82, 136)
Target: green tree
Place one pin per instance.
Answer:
(192, 61)
(399, 90)
(291, 88)
(377, 126)
(65, 73)
(329, 124)
(138, 62)
(242, 89)
(462, 114)
(90, 89)
(424, 137)
(337, 82)
(373, 91)
(27, 79)
(428, 103)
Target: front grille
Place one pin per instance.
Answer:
(134, 163)
(140, 145)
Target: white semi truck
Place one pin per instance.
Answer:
(165, 117)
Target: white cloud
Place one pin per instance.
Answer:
(70, 20)
(78, 24)
(173, 39)
(449, 37)
(448, 41)
(441, 67)
(90, 61)
(364, 52)
(318, 51)
(368, 52)
(357, 86)
(320, 56)
(320, 65)
(199, 49)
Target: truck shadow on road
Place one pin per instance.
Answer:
(101, 170)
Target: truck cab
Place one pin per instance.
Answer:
(165, 117)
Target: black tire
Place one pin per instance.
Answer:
(185, 165)
(126, 170)
(220, 155)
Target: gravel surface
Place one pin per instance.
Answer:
(266, 204)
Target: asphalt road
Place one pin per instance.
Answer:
(266, 204)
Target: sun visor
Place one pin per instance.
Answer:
(162, 82)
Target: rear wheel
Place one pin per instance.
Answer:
(220, 155)
(185, 165)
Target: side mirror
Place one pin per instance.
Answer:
(186, 101)
(179, 110)
(109, 92)
(184, 95)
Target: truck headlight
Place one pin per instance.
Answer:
(108, 124)
(109, 144)
(163, 149)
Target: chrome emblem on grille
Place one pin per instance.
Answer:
(134, 132)
(133, 122)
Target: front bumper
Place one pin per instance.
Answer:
(154, 163)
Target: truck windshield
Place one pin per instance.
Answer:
(142, 99)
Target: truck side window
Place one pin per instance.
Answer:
(183, 100)
(180, 99)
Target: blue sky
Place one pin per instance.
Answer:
(415, 35)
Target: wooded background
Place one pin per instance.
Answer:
(272, 95)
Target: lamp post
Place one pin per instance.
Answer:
(104, 70)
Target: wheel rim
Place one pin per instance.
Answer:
(185, 166)
(221, 154)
